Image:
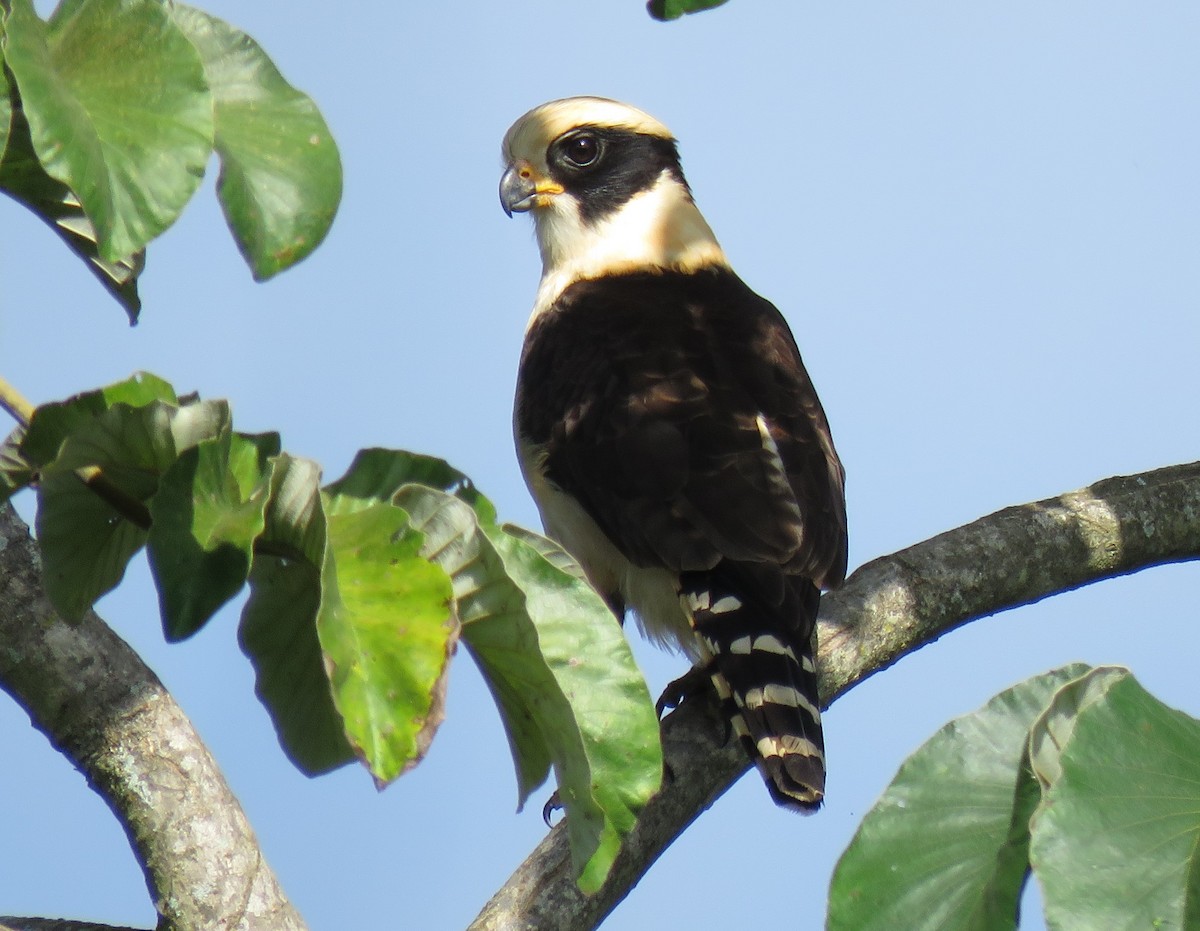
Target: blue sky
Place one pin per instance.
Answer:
(982, 222)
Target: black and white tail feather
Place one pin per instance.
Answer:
(761, 665)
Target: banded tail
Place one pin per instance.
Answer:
(757, 631)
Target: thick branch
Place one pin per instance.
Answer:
(54, 924)
(106, 712)
(888, 608)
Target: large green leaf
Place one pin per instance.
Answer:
(1052, 730)
(119, 111)
(349, 626)
(371, 484)
(209, 508)
(134, 445)
(23, 178)
(588, 655)
(387, 630)
(376, 475)
(86, 543)
(87, 535)
(281, 176)
(560, 668)
(52, 423)
(1115, 844)
(390, 629)
(87, 528)
(278, 631)
(483, 591)
(946, 846)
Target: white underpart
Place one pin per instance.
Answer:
(652, 594)
(659, 228)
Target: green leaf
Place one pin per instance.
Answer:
(279, 624)
(377, 474)
(24, 179)
(351, 631)
(278, 630)
(589, 657)
(673, 9)
(86, 543)
(550, 551)
(1115, 842)
(281, 176)
(946, 845)
(483, 591)
(135, 445)
(1051, 732)
(15, 472)
(118, 110)
(52, 423)
(6, 107)
(87, 531)
(388, 630)
(209, 509)
(561, 672)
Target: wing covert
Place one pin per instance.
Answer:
(677, 411)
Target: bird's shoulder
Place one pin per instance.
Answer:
(663, 342)
(677, 409)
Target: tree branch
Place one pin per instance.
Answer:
(103, 709)
(54, 924)
(887, 609)
(12, 401)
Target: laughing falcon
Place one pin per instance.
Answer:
(668, 430)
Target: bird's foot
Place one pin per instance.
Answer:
(692, 682)
(553, 804)
(697, 681)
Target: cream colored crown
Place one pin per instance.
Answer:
(531, 135)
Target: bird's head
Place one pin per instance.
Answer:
(606, 190)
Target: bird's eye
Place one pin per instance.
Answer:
(581, 150)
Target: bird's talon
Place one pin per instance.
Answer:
(553, 804)
(692, 682)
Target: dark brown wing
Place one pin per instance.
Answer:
(676, 409)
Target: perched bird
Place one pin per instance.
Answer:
(668, 430)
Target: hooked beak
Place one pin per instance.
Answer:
(521, 190)
(518, 190)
